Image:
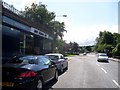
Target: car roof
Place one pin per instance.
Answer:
(102, 54)
(29, 56)
(58, 54)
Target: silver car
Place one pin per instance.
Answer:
(60, 61)
(102, 57)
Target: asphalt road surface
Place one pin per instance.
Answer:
(87, 72)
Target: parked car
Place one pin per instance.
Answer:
(84, 53)
(28, 72)
(60, 61)
(102, 57)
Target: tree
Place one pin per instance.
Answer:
(88, 48)
(38, 13)
(116, 50)
(116, 37)
(104, 42)
(40, 16)
(60, 46)
(108, 43)
(75, 47)
(105, 38)
(58, 29)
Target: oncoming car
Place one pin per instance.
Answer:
(28, 72)
(102, 57)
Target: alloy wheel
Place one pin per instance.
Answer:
(56, 75)
(39, 85)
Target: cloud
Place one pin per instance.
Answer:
(66, 1)
(86, 35)
(19, 4)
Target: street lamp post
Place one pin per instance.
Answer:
(54, 46)
(60, 16)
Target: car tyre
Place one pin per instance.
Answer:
(98, 60)
(39, 85)
(56, 76)
(61, 70)
(67, 68)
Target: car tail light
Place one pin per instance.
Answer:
(27, 74)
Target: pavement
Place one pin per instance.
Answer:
(70, 57)
(114, 59)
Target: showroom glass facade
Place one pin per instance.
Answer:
(17, 39)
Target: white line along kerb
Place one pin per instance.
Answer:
(104, 70)
(97, 64)
(116, 83)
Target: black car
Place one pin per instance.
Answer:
(28, 72)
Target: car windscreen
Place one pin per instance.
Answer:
(53, 57)
(103, 55)
(26, 59)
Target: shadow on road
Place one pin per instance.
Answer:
(49, 85)
(52, 82)
(103, 61)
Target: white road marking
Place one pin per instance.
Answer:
(104, 70)
(116, 83)
(97, 64)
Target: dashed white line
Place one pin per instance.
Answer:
(97, 64)
(106, 73)
(104, 70)
(116, 83)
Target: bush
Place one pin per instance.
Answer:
(116, 50)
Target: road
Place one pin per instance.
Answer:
(86, 72)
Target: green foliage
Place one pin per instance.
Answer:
(88, 48)
(100, 48)
(116, 39)
(60, 46)
(116, 50)
(107, 41)
(40, 16)
(105, 38)
(38, 13)
(59, 28)
(75, 47)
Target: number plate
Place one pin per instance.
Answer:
(7, 84)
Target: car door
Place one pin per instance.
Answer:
(52, 68)
(47, 70)
(63, 61)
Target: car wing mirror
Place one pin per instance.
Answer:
(31, 62)
(52, 63)
(66, 58)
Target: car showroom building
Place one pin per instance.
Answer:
(20, 36)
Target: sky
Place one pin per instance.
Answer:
(85, 18)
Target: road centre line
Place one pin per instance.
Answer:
(104, 70)
(97, 64)
(116, 83)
